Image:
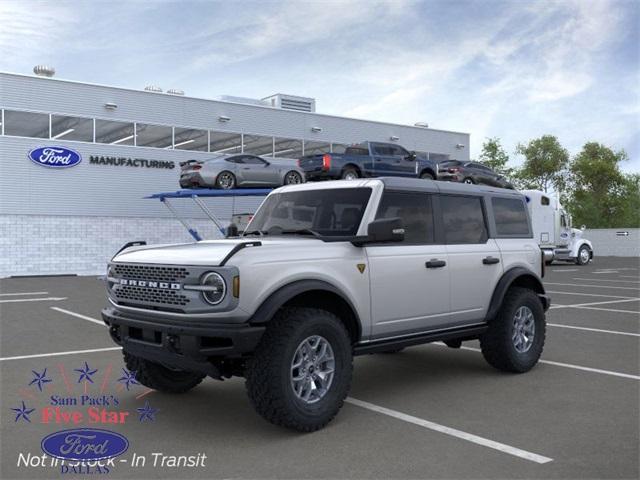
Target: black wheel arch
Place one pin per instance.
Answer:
(315, 294)
(516, 277)
(352, 166)
(429, 171)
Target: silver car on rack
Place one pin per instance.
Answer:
(241, 170)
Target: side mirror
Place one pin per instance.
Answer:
(232, 230)
(384, 230)
(411, 156)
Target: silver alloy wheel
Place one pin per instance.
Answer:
(468, 181)
(351, 175)
(226, 181)
(312, 369)
(584, 255)
(292, 178)
(524, 329)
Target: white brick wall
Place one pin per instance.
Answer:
(44, 245)
(606, 242)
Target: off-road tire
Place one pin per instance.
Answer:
(496, 343)
(268, 373)
(427, 176)
(579, 260)
(349, 172)
(158, 377)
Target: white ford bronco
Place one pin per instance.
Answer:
(327, 271)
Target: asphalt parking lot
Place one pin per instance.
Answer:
(427, 412)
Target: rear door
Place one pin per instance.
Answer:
(383, 159)
(409, 280)
(474, 258)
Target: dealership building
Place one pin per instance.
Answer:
(129, 144)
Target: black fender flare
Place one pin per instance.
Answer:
(507, 280)
(428, 170)
(282, 295)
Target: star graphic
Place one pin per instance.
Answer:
(23, 412)
(39, 379)
(85, 373)
(129, 378)
(146, 412)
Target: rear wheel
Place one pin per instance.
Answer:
(468, 181)
(160, 377)
(427, 176)
(226, 180)
(515, 337)
(301, 371)
(292, 178)
(350, 173)
(584, 255)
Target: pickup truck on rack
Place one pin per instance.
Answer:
(368, 159)
(327, 271)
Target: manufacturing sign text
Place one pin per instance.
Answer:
(130, 162)
(55, 157)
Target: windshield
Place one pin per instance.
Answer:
(324, 212)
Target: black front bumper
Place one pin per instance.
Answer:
(184, 346)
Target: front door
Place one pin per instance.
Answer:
(410, 279)
(255, 171)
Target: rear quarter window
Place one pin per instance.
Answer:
(463, 219)
(511, 217)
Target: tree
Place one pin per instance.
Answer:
(494, 156)
(545, 164)
(601, 196)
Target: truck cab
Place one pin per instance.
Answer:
(553, 230)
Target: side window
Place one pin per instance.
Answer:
(252, 160)
(544, 200)
(511, 217)
(234, 160)
(463, 219)
(399, 151)
(415, 211)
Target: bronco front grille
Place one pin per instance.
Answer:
(130, 293)
(152, 273)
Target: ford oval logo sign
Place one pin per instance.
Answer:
(84, 444)
(55, 157)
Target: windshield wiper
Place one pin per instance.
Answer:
(302, 231)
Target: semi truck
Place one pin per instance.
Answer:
(553, 230)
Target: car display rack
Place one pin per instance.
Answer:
(197, 195)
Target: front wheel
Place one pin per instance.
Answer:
(300, 373)
(160, 377)
(292, 178)
(584, 255)
(226, 180)
(468, 181)
(515, 337)
(427, 176)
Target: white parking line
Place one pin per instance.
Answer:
(56, 354)
(84, 317)
(605, 272)
(567, 365)
(633, 312)
(597, 330)
(594, 303)
(568, 270)
(469, 437)
(586, 294)
(48, 299)
(605, 280)
(23, 293)
(593, 286)
(628, 276)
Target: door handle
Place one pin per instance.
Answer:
(490, 260)
(434, 263)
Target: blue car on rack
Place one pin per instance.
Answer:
(368, 159)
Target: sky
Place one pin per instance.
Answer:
(509, 69)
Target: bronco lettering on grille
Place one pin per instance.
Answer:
(149, 284)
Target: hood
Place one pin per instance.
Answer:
(576, 233)
(208, 252)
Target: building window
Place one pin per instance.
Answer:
(258, 145)
(463, 219)
(26, 124)
(71, 128)
(114, 133)
(190, 139)
(287, 148)
(225, 143)
(314, 148)
(157, 136)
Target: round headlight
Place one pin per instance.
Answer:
(216, 288)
